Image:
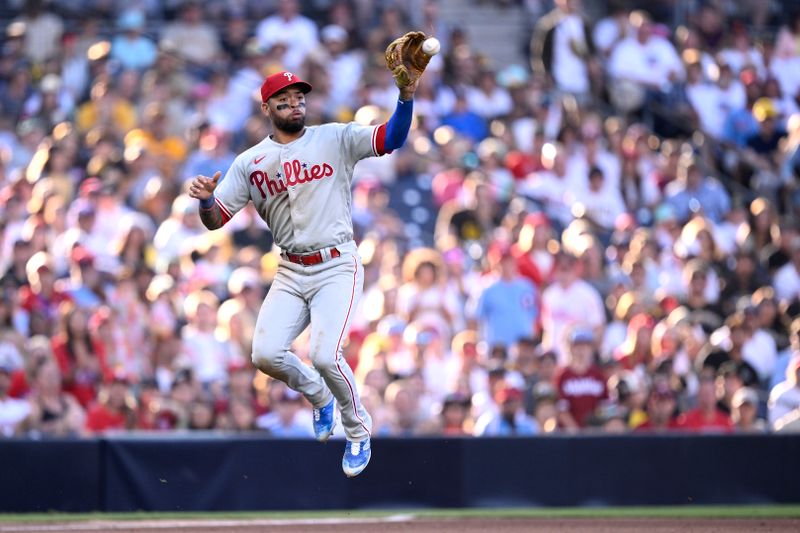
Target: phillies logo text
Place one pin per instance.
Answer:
(294, 173)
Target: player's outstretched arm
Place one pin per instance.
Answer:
(202, 188)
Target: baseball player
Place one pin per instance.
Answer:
(299, 179)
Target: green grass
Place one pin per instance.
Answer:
(687, 511)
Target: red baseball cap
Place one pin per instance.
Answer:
(280, 81)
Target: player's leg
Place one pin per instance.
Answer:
(283, 316)
(332, 306)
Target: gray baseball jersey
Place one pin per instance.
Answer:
(302, 188)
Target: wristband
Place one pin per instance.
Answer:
(208, 203)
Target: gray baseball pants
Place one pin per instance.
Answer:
(326, 296)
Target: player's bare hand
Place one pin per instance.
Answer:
(202, 187)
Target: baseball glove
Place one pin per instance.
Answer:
(405, 58)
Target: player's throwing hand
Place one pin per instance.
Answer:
(203, 187)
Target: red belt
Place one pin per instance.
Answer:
(314, 258)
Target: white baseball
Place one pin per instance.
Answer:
(431, 46)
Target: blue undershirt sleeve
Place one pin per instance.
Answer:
(399, 124)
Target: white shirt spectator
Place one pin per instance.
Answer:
(738, 59)
(559, 310)
(299, 34)
(578, 168)
(197, 43)
(787, 72)
(553, 191)
(607, 32)
(784, 399)
(13, 412)
(42, 36)
(761, 352)
(707, 101)
(495, 104)
(231, 111)
(602, 206)
(206, 354)
(569, 69)
(787, 282)
(650, 63)
(345, 71)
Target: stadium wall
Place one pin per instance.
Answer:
(213, 473)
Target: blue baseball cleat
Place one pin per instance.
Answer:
(324, 422)
(356, 457)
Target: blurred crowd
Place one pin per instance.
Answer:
(603, 237)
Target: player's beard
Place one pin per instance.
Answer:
(289, 125)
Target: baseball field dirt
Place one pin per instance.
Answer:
(580, 520)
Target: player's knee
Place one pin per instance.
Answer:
(266, 357)
(324, 361)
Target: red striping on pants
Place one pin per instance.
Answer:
(336, 354)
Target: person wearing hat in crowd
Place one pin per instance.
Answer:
(762, 148)
(41, 298)
(744, 412)
(581, 384)
(131, 48)
(509, 419)
(507, 308)
(115, 408)
(661, 409)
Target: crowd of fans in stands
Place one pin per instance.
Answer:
(614, 243)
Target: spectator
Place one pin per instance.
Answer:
(706, 417)
(54, 413)
(42, 31)
(581, 384)
(642, 64)
(563, 49)
(289, 27)
(487, 98)
(206, 354)
(661, 406)
(454, 419)
(784, 398)
(558, 310)
(115, 409)
(423, 297)
(695, 193)
(80, 359)
(41, 299)
(345, 67)
(534, 260)
(13, 411)
(509, 420)
(787, 279)
(131, 48)
(464, 120)
(507, 308)
(602, 204)
(195, 40)
(745, 412)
